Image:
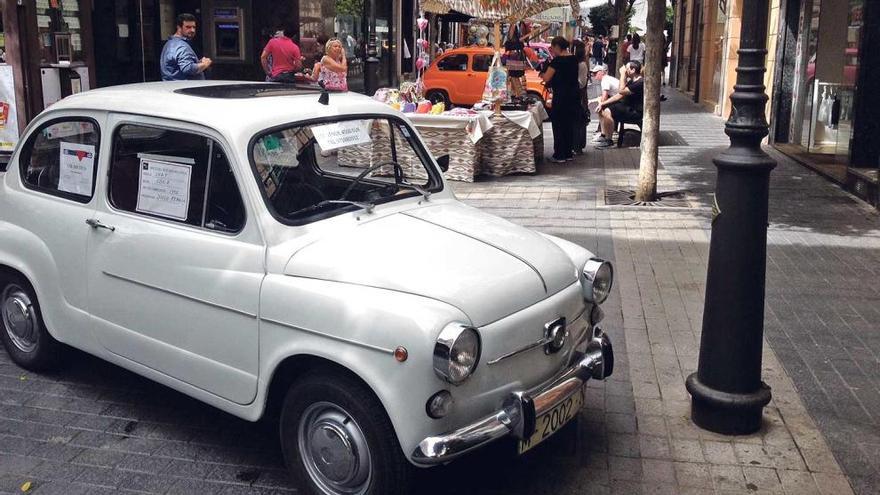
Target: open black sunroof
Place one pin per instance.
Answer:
(248, 90)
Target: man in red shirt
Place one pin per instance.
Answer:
(286, 58)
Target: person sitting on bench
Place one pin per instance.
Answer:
(626, 106)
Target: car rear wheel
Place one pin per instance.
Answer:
(24, 334)
(337, 440)
(436, 96)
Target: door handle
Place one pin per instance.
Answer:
(97, 224)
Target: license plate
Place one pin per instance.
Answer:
(553, 420)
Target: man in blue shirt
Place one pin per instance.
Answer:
(178, 61)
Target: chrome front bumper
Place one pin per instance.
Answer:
(520, 409)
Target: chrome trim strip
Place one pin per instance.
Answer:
(333, 337)
(520, 258)
(544, 341)
(178, 294)
(539, 343)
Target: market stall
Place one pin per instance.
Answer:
(483, 140)
(477, 142)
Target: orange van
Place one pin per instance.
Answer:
(459, 76)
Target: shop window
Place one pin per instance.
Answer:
(826, 70)
(176, 176)
(61, 159)
(59, 30)
(456, 62)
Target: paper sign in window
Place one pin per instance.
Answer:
(76, 168)
(163, 189)
(67, 129)
(341, 134)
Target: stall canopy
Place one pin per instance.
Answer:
(498, 10)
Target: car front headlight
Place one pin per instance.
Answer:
(598, 278)
(456, 352)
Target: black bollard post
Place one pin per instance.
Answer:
(371, 64)
(727, 394)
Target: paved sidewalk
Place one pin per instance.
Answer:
(96, 428)
(822, 320)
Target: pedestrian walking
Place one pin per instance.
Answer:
(582, 117)
(562, 76)
(178, 61)
(598, 50)
(636, 51)
(286, 58)
(624, 48)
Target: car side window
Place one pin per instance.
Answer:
(61, 157)
(481, 63)
(456, 62)
(174, 175)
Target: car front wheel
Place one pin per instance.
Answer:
(24, 334)
(337, 439)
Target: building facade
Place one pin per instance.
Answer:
(821, 78)
(52, 48)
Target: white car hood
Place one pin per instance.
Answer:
(484, 265)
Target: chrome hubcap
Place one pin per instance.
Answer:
(19, 318)
(334, 450)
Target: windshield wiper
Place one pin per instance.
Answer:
(368, 207)
(419, 189)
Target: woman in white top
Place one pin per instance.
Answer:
(636, 50)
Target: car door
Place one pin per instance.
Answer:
(50, 199)
(175, 267)
(479, 70)
(453, 73)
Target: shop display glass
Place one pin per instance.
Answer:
(59, 21)
(827, 69)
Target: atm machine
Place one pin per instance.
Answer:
(228, 28)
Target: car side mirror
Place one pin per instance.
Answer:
(443, 161)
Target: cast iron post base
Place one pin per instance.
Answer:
(726, 413)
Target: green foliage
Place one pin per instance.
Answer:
(350, 7)
(602, 17)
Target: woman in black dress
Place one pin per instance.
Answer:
(562, 77)
(582, 117)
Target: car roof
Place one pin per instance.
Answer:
(471, 49)
(232, 106)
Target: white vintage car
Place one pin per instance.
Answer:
(267, 251)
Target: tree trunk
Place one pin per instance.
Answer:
(653, 72)
(620, 11)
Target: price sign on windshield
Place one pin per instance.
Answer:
(341, 134)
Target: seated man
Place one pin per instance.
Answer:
(625, 106)
(609, 86)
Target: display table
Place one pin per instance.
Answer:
(456, 136)
(477, 143)
(514, 144)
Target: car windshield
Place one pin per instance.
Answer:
(317, 170)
